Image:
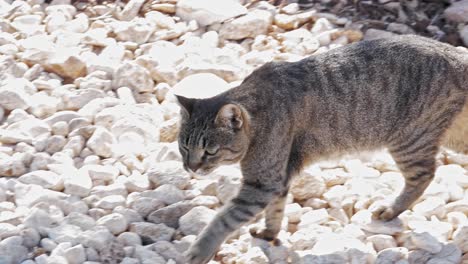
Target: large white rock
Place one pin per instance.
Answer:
(169, 172)
(116, 223)
(111, 201)
(308, 184)
(142, 119)
(76, 99)
(460, 237)
(151, 233)
(131, 10)
(167, 193)
(207, 12)
(146, 205)
(195, 220)
(200, 85)
(229, 182)
(46, 179)
(12, 97)
(28, 24)
(75, 255)
(313, 217)
(13, 250)
(457, 12)
(77, 182)
(391, 255)
(138, 30)
(464, 34)
(133, 76)
(426, 242)
(254, 23)
(66, 63)
(382, 242)
(171, 214)
(101, 142)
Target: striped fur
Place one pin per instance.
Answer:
(407, 93)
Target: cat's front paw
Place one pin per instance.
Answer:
(196, 255)
(383, 211)
(265, 234)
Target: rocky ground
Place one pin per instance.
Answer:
(90, 168)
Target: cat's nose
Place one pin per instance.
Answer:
(194, 166)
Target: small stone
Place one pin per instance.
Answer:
(229, 182)
(166, 193)
(464, 35)
(75, 255)
(13, 98)
(254, 23)
(66, 63)
(125, 94)
(101, 142)
(426, 242)
(391, 255)
(313, 217)
(431, 206)
(131, 10)
(98, 238)
(309, 179)
(137, 182)
(400, 28)
(116, 223)
(55, 143)
(151, 233)
(64, 233)
(440, 230)
(78, 183)
(457, 12)
(129, 239)
(147, 256)
(169, 172)
(138, 30)
(382, 242)
(111, 201)
(101, 172)
(12, 248)
(129, 214)
(373, 33)
(46, 179)
(186, 87)
(195, 220)
(31, 237)
(146, 205)
(77, 99)
(133, 76)
(254, 255)
(206, 12)
(8, 230)
(170, 215)
(460, 237)
(85, 222)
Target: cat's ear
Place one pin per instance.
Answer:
(186, 104)
(230, 115)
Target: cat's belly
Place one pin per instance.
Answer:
(456, 137)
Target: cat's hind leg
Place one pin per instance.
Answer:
(416, 160)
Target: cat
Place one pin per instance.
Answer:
(406, 93)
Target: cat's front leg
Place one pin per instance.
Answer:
(273, 218)
(250, 201)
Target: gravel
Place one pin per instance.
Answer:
(91, 171)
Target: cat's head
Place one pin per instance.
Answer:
(211, 134)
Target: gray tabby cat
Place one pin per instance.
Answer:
(408, 94)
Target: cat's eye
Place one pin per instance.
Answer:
(212, 151)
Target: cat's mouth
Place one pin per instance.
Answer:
(204, 171)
